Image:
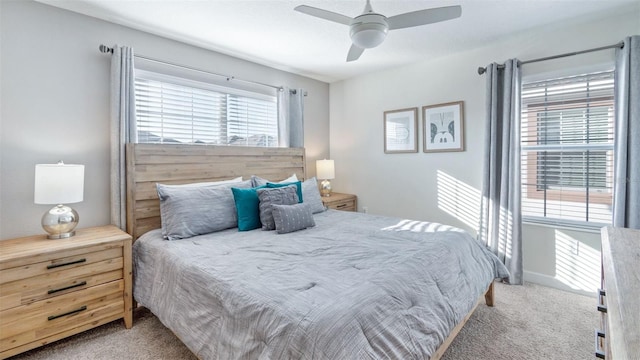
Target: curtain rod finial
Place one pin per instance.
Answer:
(105, 49)
(481, 70)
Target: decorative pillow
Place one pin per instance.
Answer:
(247, 207)
(188, 211)
(311, 195)
(221, 182)
(258, 181)
(290, 218)
(286, 195)
(298, 185)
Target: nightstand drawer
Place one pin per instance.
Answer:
(59, 262)
(345, 205)
(59, 282)
(338, 201)
(27, 323)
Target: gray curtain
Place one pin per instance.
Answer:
(123, 128)
(291, 117)
(500, 218)
(626, 191)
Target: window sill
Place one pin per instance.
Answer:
(593, 228)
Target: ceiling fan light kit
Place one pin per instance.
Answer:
(369, 29)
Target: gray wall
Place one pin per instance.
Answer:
(445, 187)
(55, 103)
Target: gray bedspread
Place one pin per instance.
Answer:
(356, 286)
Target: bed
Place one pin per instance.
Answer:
(354, 286)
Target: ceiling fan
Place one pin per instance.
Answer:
(369, 29)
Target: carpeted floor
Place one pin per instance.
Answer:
(527, 322)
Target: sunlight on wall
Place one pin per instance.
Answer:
(577, 264)
(458, 199)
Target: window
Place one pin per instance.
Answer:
(567, 150)
(177, 110)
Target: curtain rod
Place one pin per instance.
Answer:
(482, 70)
(105, 49)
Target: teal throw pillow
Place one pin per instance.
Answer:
(298, 185)
(247, 207)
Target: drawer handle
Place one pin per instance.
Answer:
(82, 308)
(341, 206)
(52, 291)
(53, 266)
(599, 353)
(602, 292)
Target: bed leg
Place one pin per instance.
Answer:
(488, 296)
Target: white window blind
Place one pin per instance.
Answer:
(567, 150)
(252, 122)
(175, 110)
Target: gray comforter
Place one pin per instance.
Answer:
(356, 286)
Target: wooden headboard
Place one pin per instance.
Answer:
(148, 164)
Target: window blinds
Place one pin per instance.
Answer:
(169, 110)
(252, 122)
(567, 150)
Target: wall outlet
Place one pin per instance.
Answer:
(575, 250)
(365, 209)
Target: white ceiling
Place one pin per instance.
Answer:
(270, 32)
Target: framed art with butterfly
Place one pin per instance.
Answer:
(443, 127)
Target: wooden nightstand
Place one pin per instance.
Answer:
(51, 289)
(338, 201)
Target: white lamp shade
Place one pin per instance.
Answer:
(325, 169)
(59, 183)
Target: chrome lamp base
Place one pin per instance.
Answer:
(325, 188)
(59, 222)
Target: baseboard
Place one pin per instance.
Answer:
(550, 281)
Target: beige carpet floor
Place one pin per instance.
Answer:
(527, 322)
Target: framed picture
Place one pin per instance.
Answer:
(401, 131)
(443, 126)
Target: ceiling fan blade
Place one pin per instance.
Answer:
(424, 17)
(324, 14)
(354, 53)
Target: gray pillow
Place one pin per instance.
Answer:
(290, 218)
(311, 195)
(287, 195)
(188, 211)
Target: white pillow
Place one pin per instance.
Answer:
(209, 183)
(258, 181)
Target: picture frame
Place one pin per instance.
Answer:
(401, 131)
(443, 127)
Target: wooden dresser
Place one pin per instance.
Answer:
(50, 289)
(338, 201)
(619, 298)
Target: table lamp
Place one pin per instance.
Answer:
(59, 184)
(325, 170)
